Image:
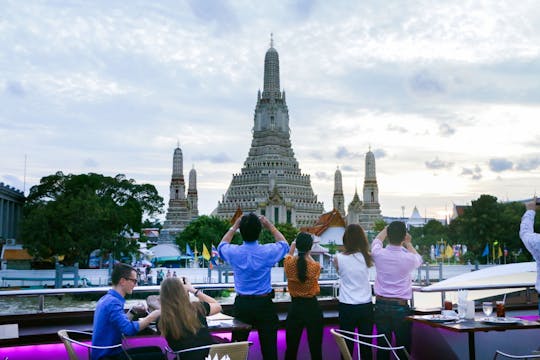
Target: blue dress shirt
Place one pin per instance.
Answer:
(110, 322)
(252, 264)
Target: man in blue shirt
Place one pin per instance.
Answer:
(252, 264)
(110, 320)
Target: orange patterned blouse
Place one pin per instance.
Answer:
(307, 289)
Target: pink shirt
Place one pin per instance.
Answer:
(394, 265)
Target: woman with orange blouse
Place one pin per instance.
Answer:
(303, 282)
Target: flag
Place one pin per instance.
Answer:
(215, 256)
(432, 252)
(205, 253)
(505, 251)
(500, 253)
(486, 250)
(189, 252)
(448, 252)
(437, 250)
(463, 249)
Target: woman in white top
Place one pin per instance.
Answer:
(355, 298)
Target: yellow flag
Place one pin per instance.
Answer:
(500, 253)
(448, 252)
(205, 253)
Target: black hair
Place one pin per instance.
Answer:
(304, 242)
(396, 232)
(120, 271)
(250, 227)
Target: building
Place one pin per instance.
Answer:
(271, 183)
(11, 204)
(182, 209)
(339, 199)
(367, 212)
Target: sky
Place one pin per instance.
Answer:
(445, 93)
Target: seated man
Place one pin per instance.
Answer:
(110, 320)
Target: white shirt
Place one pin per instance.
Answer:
(354, 286)
(531, 240)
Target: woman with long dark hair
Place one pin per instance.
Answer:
(182, 322)
(303, 282)
(355, 298)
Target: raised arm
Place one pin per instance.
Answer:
(215, 307)
(227, 238)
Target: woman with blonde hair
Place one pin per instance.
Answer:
(182, 322)
(355, 298)
(303, 282)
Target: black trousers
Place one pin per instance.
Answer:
(356, 316)
(260, 312)
(304, 312)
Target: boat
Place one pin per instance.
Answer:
(25, 336)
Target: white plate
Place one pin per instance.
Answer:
(439, 318)
(499, 320)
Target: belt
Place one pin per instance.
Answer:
(255, 296)
(393, 300)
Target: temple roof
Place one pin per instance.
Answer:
(326, 220)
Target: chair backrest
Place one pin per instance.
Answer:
(501, 355)
(341, 335)
(235, 350)
(64, 336)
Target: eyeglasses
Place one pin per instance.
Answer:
(133, 280)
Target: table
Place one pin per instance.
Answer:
(473, 326)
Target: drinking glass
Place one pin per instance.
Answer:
(500, 309)
(487, 308)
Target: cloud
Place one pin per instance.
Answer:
(446, 130)
(91, 163)
(424, 83)
(219, 158)
(12, 181)
(475, 173)
(438, 164)
(349, 168)
(500, 164)
(219, 13)
(15, 88)
(316, 155)
(343, 153)
(321, 175)
(396, 128)
(528, 164)
(379, 153)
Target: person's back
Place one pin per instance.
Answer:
(393, 283)
(252, 265)
(530, 239)
(303, 283)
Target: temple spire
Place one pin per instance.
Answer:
(271, 40)
(271, 87)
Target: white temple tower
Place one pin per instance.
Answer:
(181, 210)
(271, 183)
(339, 199)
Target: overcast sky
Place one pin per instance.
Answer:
(446, 94)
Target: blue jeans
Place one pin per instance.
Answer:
(390, 318)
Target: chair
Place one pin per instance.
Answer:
(500, 354)
(235, 350)
(66, 337)
(341, 335)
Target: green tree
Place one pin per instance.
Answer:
(378, 225)
(72, 215)
(206, 230)
(288, 231)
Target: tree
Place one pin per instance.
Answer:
(206, 230)
(72, 215)
(378, 225)
(288, 231)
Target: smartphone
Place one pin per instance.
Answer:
(184, 280)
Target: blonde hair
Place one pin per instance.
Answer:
(179, 316)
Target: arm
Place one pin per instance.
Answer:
(530, 239)
(407, 243)
(227, 238)
(150, 318)
(292, 248)
(215, 307)
(335, 260)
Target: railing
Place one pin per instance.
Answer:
(333, 284)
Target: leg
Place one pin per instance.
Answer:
(402, 327)
(293, 326)
(383, 321)
(266, 322)
(365, 326)
(242, 312)
(314, 326)
(347, 322)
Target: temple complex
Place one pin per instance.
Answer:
(271, 183)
